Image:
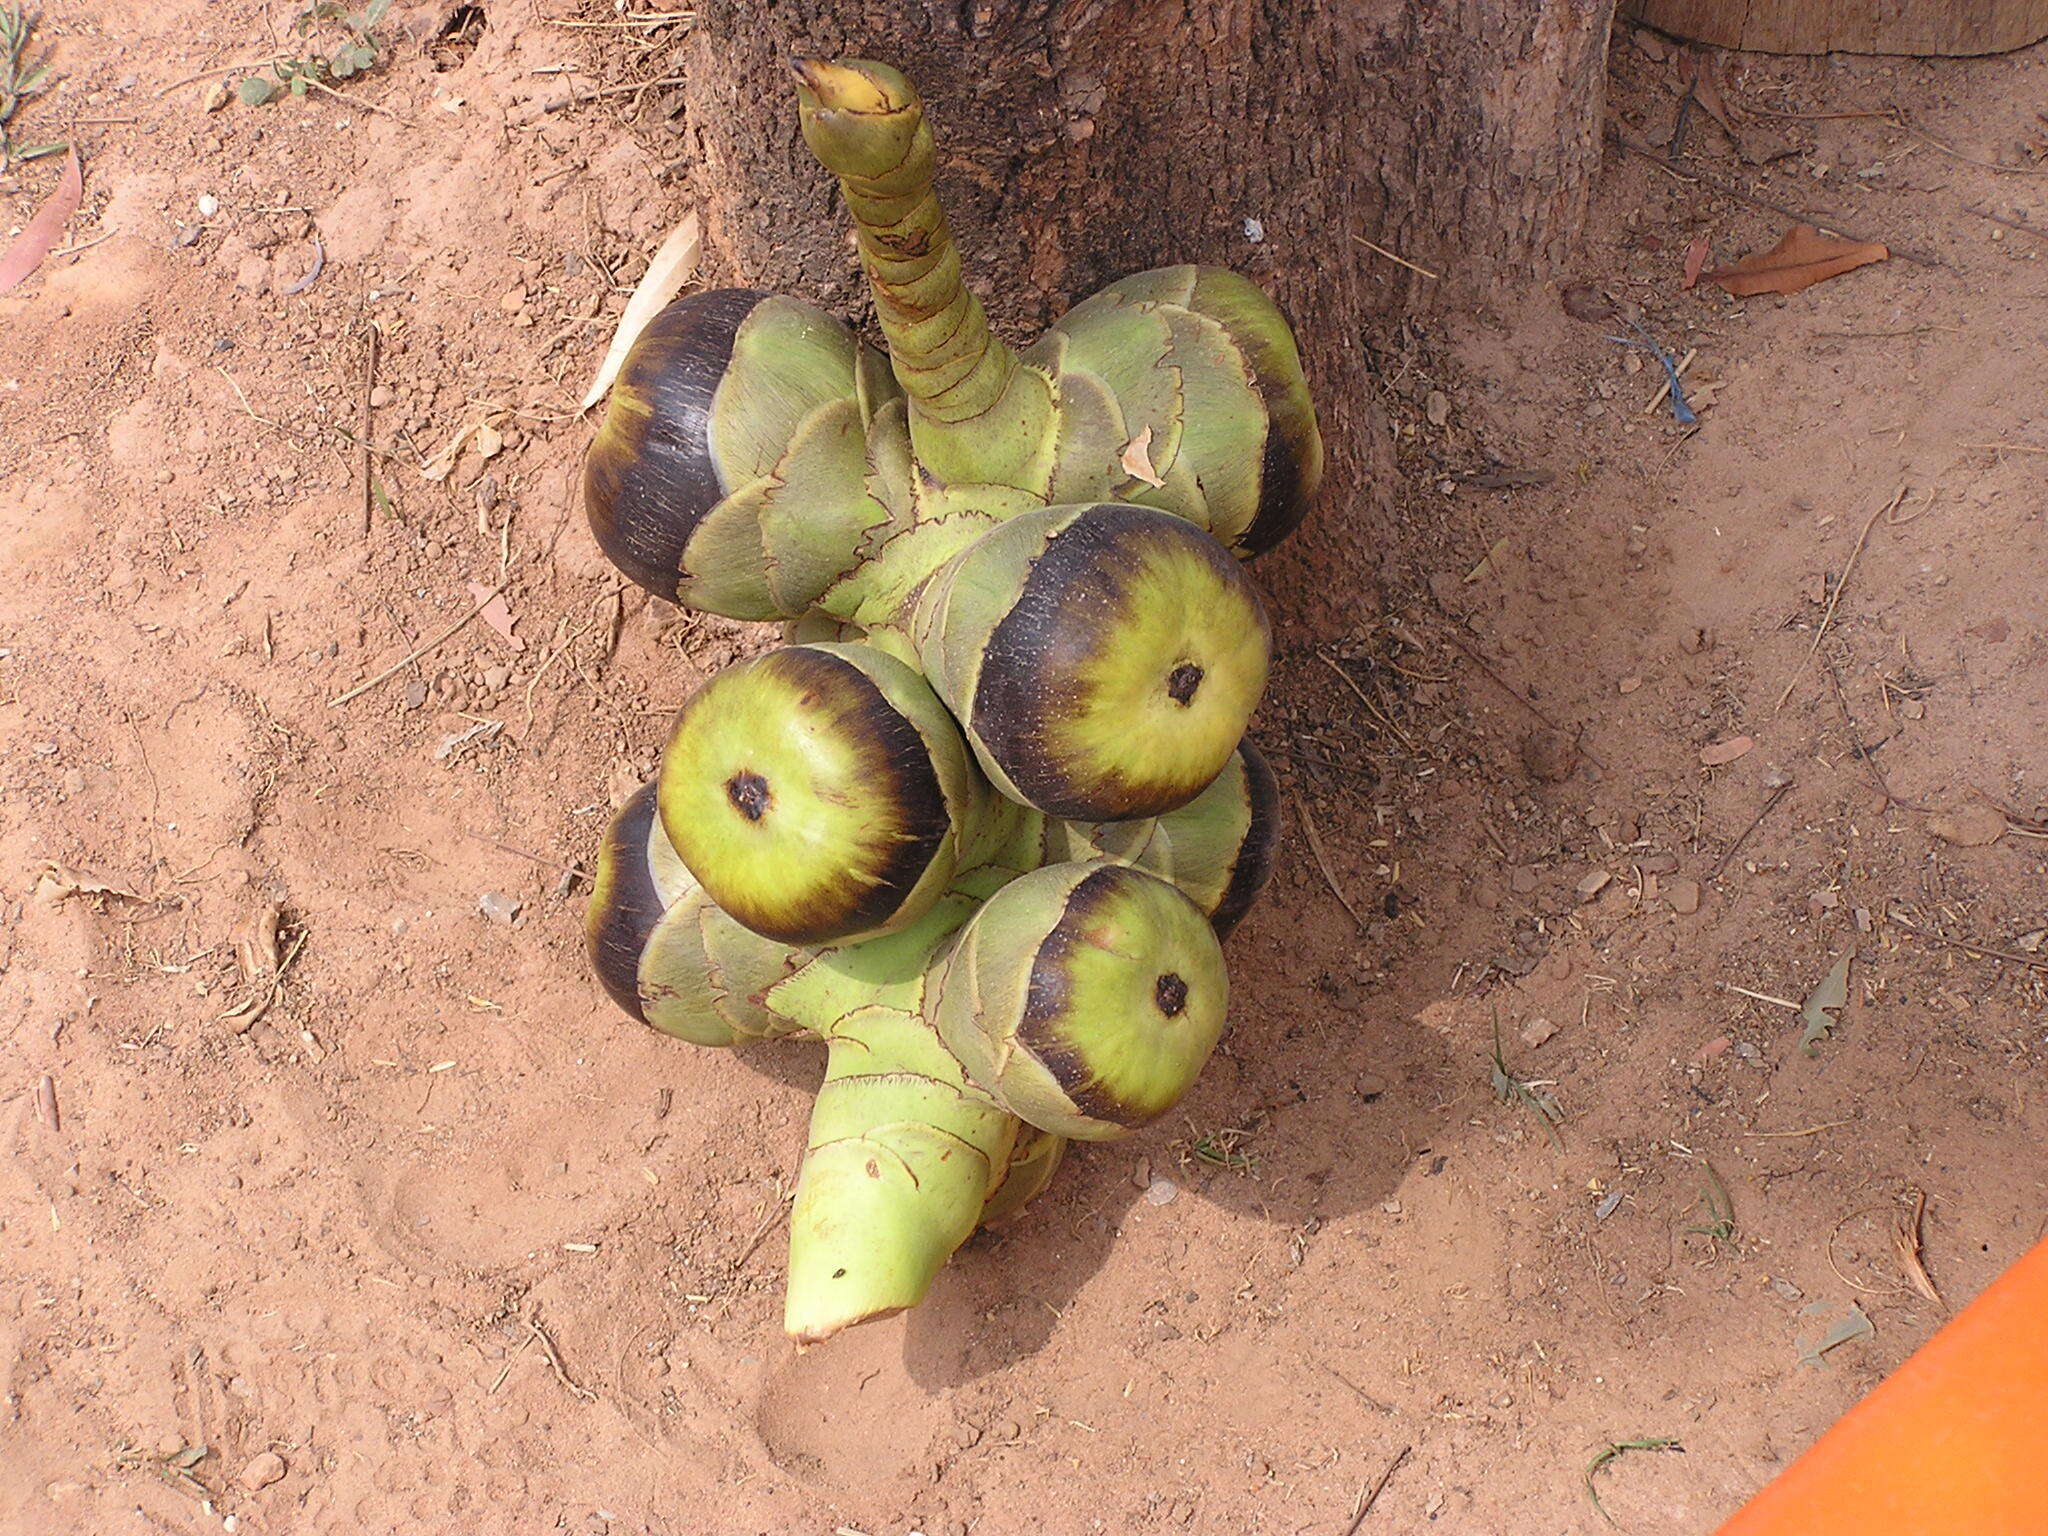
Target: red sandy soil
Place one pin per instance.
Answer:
(361, 1210)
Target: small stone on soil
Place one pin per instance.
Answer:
(262, 1471)
(1973, 826)
(1537, 1032)
(499, 907)
(1726, 751)
(1161, 1191)
(1684, 896)
(1550, 756)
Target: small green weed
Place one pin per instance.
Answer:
(20, 78)
(340, 44)
(1508, 1087)
(1614, 1451)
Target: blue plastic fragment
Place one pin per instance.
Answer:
(1681, 410)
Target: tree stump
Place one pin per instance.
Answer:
(1850, 26)
(1081, 140)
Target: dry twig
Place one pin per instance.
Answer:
(421, 649)
(1315, 848)
(1379, 1485)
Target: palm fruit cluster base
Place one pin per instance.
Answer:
(981, 824)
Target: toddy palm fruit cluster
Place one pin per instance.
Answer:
(982, 823)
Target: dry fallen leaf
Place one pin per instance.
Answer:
(673, 265)
(1137, 459)
(1487, 561)
(1818, 1012)
(1695, 258)
(1696, 71)
(1726, 751)
(442, 464)
(1971, 826)
(58, 881)
(1906, 1242)
(1855, 1326)
(39, 236)
(1804, 257)
(495, 613)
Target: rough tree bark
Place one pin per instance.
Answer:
(1084, 139)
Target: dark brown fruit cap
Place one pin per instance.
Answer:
(624, 904)
(650, 475)
(1284, 496)
(1085, 613)
(1254, 866)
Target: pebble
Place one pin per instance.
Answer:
(1973, 826)
(1538, 1032)
(1594, 884)
(1522, 881)
(381, 396)
(1629, 684)
(495, 678)
(1550, 756)
(1161, 1191)
(262, 1471)
(1721, 752)
(1486, 892)
(1712, 1048)
(1437, 407)
(209, 205)
(1684, 896)
(1787, 1289)
(1609, 1204)
(499, 907)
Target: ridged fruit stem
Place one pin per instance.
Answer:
(866, 125)
(977, 415)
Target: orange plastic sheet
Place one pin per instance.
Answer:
(1954, 1441)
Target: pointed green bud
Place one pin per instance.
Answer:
(904, 1152)
(1104, 659)
(1085, 997)
(819, 793)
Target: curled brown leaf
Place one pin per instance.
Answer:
(39, 236)
(1804, 257)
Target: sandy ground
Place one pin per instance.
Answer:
(352, 1205)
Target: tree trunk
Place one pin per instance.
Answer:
(1081, 140)
(1850, 26)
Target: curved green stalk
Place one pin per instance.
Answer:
(977, 414)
